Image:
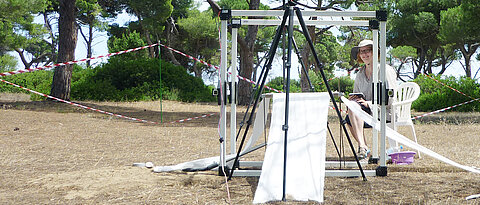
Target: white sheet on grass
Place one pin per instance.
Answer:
(195, 164)
(259, 123)
(305, 170)
(392, 134)
(258, 128)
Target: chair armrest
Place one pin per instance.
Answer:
(402, 103)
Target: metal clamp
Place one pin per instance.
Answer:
(225, 14)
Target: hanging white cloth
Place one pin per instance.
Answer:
(307, 130)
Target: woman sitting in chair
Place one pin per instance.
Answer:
(363, 84)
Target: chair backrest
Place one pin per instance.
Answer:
(404, 96)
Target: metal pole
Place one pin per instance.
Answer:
(223, 74)
(375, 92)
(383, 111)
(160, 80)
(233, 103)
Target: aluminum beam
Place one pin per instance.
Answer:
(274, 22)
(328, 164)
(328, 173)
(265, 13)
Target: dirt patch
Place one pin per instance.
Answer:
(52, 153)
(14, 97)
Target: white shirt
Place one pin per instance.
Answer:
(364, 85)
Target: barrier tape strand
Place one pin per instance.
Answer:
(73, 62)
(450, 107)
(215, 67)
(444, 109)
(192, 118)
(449, 87)
(98, 110)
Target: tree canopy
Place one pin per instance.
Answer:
(19, 33)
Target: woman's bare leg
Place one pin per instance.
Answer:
(356, 129)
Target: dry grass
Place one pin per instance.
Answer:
(53, 153)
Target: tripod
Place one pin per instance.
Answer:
(289, 14)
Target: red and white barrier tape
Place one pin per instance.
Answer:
(215, 67)
(450, 107)
(444, 109)
(73, 62)
(321, 82)
(333, 108)
(193, 118)
(449, 86)
(100, 111)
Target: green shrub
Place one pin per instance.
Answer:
(119, 80)
(171, 94)
(346, 84)
(317, 81)
(190, 88)
(127, 41)
(277, 83)
(138, 79)
(40, 81)
(435, 96)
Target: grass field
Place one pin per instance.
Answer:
(53, 153)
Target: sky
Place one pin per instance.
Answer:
(100, 48)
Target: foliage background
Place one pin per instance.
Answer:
(129, 80)
(435, 96)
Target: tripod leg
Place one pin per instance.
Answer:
(267, 66)
(333, 140)
(310, 43)
(287, 101)
(312, 89)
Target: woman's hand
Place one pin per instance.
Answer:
(353, 97)
(362, 101)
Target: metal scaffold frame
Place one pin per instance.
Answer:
(376, 20)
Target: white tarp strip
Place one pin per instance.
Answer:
(259, 124)
(475, 196)
(305, 170)
(201, 164)
(394, 135)
(195, 164)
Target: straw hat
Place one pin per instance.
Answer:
(354, 52)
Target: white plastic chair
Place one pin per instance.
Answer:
(405, 94)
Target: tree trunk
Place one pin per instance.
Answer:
(443, 60)
(88, 40)
(430, 59)
(151, 51)
(467, 55)
(196, 70)
(246, 59)
(53, 45)
(421, 61)
(305, 53)
(66, 49)
(246, 69)
(89, 44)
(169, 29)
